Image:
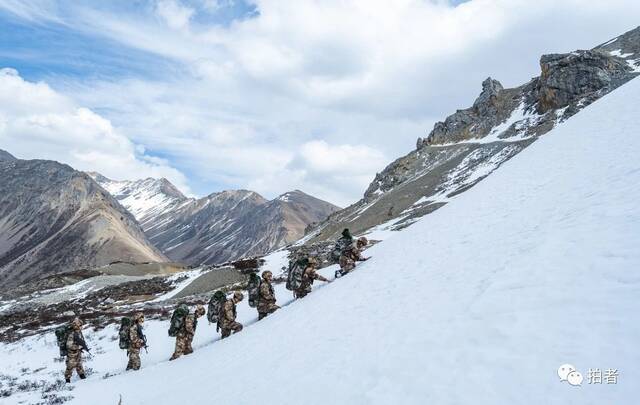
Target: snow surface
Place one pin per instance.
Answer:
(477, 303)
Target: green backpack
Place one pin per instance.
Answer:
(215, 305)
(177, 319)
(125, 338)
(253, 289)
(62, 333)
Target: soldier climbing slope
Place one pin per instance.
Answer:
(137, 340)
(75, 345)
(309, 275)
(351, 255)
(341, 244)
(266, 296)
(227, 318)
(185, 334)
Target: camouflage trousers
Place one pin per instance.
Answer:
(264, 310)
(74, 362)
(346, 265)
(134, 358)
(183, 346)
(234, 327)
(302, 292)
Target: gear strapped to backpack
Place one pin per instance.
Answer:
(253, 288)
(177, 319)
(62, 333)
(215, 305)
(125, 338)
(341, 245)
(296, 271)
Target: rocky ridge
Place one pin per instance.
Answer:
(471, 143)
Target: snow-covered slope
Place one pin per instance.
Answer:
(479, 303)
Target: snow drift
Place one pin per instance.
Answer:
(479, 302)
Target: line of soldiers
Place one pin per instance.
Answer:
(227, 324)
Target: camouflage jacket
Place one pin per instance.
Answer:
(136, 337)
(189, 327)
(308, 277)
(227, 313)
(266, 294)
(352, 253)
(76, 342)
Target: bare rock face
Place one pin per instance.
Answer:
(54, 219)
(473, 142)
(581, 75)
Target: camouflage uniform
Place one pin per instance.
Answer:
(267, 298)
(75, 345)
(351, 255)
(185, 335)
(308, 277)
(138, 341)
(227, 319)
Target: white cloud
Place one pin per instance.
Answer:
(175, 15)
(338, 77)
(39, 123)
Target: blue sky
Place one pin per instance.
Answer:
(265, 95)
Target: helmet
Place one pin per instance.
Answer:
(362, 241)
(138, 316)
(76, 323)
(238, 296)
(266, 274)
(346, 233)
(199, 311)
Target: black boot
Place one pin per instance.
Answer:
(82, 376)
(67, 380)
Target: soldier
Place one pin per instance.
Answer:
(341, 244)
(75, 346)
(309, 275)
(351, 255)
(227, 319)
(266, 296)
(185, 335)
(137, 341)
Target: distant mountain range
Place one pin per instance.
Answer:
(222, 226)
(55, 219)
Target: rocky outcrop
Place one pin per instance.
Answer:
(54, 219)
(471, 143)
(578, 77)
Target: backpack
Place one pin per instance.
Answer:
(125, 338)
(62, 333)
(296, 270)
(339, 248)
(253, 288)
(177, 319)
(215, 305)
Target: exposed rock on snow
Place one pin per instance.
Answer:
(471, 143)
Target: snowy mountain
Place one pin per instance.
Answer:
(146, 199)
(233, 224)
(219, 227)
(477, 303)
(55, 219)
(471, 143)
